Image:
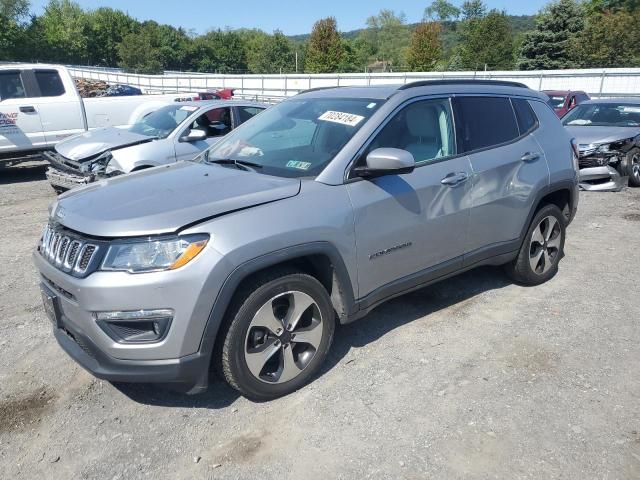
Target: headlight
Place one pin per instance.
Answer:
(97, 164)
(604, 148)
(154, 255)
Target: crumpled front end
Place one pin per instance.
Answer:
(65, 174)
(600, 171)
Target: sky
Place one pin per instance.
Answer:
(291, 16)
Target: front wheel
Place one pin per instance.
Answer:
(542, 249)
(633, 167)
(279, 333)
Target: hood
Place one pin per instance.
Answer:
(164, 199)
(89, 144)
(586, 135)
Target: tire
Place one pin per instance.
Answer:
(259, 355)
(542, 248)
(633, 167)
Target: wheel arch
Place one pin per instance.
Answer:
(319, 259)
(561, 194)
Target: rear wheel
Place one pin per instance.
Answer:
(542, 249)
(279, 332)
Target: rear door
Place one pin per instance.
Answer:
(59, 105)
(20, 125)
(509, 169)
(410, 226)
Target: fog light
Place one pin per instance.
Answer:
(136, 326)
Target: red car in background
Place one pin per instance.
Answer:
(563, 101)
(222, 94)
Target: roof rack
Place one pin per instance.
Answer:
(428, 83)
(317, 89)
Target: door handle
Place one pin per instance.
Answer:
(454, 178)
(28, 109)
(530, 157)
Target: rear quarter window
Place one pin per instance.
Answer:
(527, 120)
(483, 122)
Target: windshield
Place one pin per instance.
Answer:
(163, 121)
(604, 115)
(296, 138)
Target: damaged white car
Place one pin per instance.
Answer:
(174, 132)
(608, 136)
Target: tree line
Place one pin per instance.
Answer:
(565, 34)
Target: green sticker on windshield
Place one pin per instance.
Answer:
(298, 165)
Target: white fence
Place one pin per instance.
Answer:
(598, 83)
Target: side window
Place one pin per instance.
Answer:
(572, 102)
(215, 123)
(11, 86)
(49, 82)
(245, 113)
(527, 120)
(423, 128)
(482, 122)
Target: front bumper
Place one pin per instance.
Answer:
(189, 374)
(180, 357)
(66, 181)
(601, 179)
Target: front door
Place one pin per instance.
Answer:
(411, 226)
(216, 123)
(20, 125)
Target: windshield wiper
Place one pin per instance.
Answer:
(243, 164)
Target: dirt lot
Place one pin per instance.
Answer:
(472, 378)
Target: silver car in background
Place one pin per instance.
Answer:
(608, 136)
(173, 132)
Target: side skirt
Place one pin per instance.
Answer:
(492, 255)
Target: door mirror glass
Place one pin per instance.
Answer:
(194, 135)
(386, 161)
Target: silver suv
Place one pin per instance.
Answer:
(317, 210)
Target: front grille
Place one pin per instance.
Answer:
(590, 162)
(69, 252)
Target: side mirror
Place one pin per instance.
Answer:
(194, 135)
(386, 161)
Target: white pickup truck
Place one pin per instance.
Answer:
(39, 106)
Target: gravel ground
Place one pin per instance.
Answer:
(471, 378)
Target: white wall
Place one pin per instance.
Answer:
(602, 82)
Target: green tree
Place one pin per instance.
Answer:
(65, 25)
(425, 49)
(486, 41)
(550, 45)
(12, 13)
(601, 6)
(219, 51)
(107, 28)
(325, 50)
(473, 9)
(609, 39)
(140, 50)
(389, 35)
(442, 10)
(269, 53)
